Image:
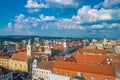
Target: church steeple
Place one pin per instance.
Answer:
(65, 44)
(29, 48)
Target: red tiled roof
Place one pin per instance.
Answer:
(117, 64)
(95, 69)
(2, 54)
(93, 59)
(96, 51)
(20, 56)
(58, 58)
(37, 55)
(59, 47)
(71, 59)
(47, 65)
(93, 50)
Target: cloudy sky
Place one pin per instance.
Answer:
(74, 18)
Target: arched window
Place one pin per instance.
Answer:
(15, 64)
(20, 65)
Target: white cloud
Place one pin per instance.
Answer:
(35, 4)
(10, 25)
(108, 4)
(113, 25)
(33, 10)
(66, 23)
(19, 18)
(104, 25)
(98, 5)
(62, 3)
(86, 14)
(111, 3)
(23, 24)
(99, 26)
(46, 18)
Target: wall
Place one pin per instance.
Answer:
(6, 76)
(18, 65)
(4, 62)
(40, 73)
(59, 77)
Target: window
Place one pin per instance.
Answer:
(57, 72)
(106, 78)
(67, 73)
(20, 65)
(15, 64)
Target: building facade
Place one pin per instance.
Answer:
(5, 74)
(59, 77)
(42, 71)
(4, 62)
(22, 61)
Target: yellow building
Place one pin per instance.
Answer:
(22, 60)
(4, 62)
(19, 62)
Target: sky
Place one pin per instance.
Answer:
(73, 18)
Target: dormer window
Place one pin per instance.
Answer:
(106, 78)
(67, 73)
(57, 72)
(92, 78)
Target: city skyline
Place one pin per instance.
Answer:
(74, 18)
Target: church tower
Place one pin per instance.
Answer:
(29, 48)
(65, 44)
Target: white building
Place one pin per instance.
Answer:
(59, 77)
(5, 74)
(43, 70)
(47, 50)
(117, 49)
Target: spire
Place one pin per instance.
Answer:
(29, 42)
(65, 44)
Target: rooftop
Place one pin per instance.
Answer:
(20, 56)
(92, 59)
(96, 51)
(95, 69)
(47, 65)
(4, 55)
(4, 71)
(59, 47)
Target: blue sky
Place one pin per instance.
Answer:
(74, 18)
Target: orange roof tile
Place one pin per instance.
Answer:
(93, 59)
(59, 47)
(20, 56)
(117, 64)
(96, 51)
(95, 69)
(47, 65)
